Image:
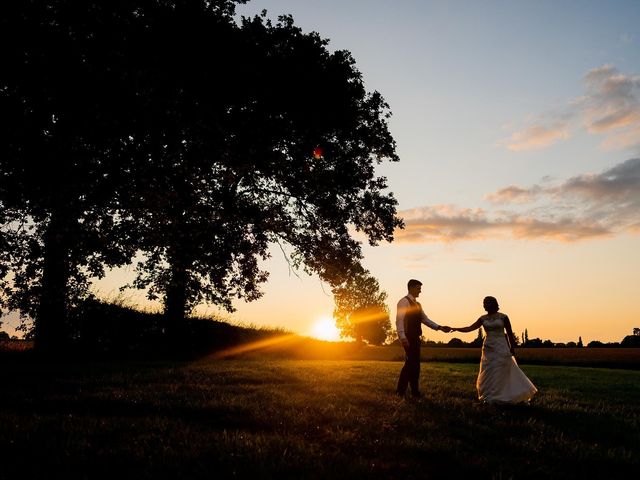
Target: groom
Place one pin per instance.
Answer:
(409, 320)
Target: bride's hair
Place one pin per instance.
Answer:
(492, 303)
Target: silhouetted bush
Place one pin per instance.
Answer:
(103, 329)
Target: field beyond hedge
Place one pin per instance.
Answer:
(303, 348)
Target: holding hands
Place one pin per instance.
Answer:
(446, 329)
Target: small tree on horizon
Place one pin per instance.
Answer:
(477, 342)
(361, 312)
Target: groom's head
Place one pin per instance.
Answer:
(414, 287)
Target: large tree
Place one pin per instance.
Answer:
(62, 96)
(71, 94)
(271, 139)
(168, 128)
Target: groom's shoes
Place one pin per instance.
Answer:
(416, 394)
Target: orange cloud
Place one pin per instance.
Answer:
(537, 136)
(513, 194)
(610, 107)
(429, 225)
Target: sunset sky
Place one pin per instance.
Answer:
(518, 128)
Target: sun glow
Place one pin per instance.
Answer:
(325, 329)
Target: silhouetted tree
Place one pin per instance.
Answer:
(630, 341)
(281, 148)
(199, 228)
(361, 311)
(167, 128)
(65, 99)
(534, 342)
(580, 344)
(477, 342)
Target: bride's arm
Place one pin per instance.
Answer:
(510, 336)
(474, 326)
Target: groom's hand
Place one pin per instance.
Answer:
(404, 342)
(445, 329)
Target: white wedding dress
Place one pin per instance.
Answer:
(500, 379)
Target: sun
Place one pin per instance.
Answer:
(325, 329)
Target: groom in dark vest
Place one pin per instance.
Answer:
(409, 320)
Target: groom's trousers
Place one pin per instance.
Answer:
(410, 373)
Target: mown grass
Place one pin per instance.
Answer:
(309, 419)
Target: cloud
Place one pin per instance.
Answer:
(583, 207)
(610, 108)
(429, 224)
(537, 136)
(478, 260)
(514, 194)
(620, 184)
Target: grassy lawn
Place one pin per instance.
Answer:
(310, 419)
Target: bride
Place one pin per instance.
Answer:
(500, 380)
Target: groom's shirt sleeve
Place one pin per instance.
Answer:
(400, 311)
(428, 322)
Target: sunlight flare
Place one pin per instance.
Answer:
(259, 345)
(325, 329)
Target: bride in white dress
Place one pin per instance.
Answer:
(500, 379)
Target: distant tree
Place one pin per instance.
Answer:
(534, 342)
(548, 344)
(636, 331)
(361, 311)
(456, 342)
(4, 336)
(595, 344)
(478, 340)
(630, 341)
(572, 344)
(560, 345)
(525, 337)
(580, 344)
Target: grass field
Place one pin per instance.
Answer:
(271, 418)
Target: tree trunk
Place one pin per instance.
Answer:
(52, 326)
(176, 298)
